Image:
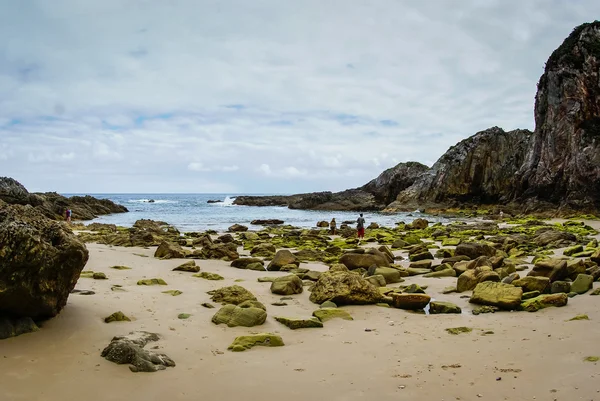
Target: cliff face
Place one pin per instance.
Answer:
(562, 165)
(479, 169)
(391, 182)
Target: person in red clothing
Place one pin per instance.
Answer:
(360, 227)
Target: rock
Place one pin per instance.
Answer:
(248, 263)
(226, 238)
(418, 224)
(532, 283)
(414, 289)
(441, 273)
(449, 290)
(295, 324)
(390, 274)
(152, 281)
(83, 292)
(397, 244)
(574, 268)
(325, 314)
(328, 304)
(438, 307)
(579, 317)
(373, 226)
(99, 276)
(529, 295)
(377, 280)
(209, 276)
(511, 278)
(474, 250)
(356, 261)
(595, 292)
(554, 269)
(15, 327)
(130, 350)
(208, 305)
(425, 255)
(459, 330)
(344, 288)
(40, 262)
(573, 250)
(410, 301)
(421, 264)
(117, 317)
(312, 275)
(173, 293)
(550, 236)
(234, 316)
(454, 259)
(168, 250)
(226, 252)
(265, 250)
(183, 316)
(502, 295)
(582, 284)
(237, 228)
(287, 285)
(234, 295)
(267, 222)
(469, 279)
(282, 258)
(451, 242)
(544, 301)
(485, 309)
(412, 271)
(120, 267)
(188, 267)
(323, 224)
(244, 343)
(560, 286)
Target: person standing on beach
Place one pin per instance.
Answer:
(68, 215)
(332, 226)
(360, 227)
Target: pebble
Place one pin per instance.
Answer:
(391, 323)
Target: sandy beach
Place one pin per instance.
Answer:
(383, 354)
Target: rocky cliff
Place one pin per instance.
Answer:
(562, 165)
(375, 195)
(53, 205)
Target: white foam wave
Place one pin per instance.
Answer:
(228, 201)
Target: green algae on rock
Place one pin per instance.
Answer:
(209, 276)
(99, 276)
(173, 292)
(325, 314)
(120, 267)
(591, 359)
(579, 317)
(189, 267)
(117, 317)
(295, 324)
(458, 330)
(152, 281)
(234, 294)
(233, 316)
(504, 296)
(287, 285)
(244, 343)
(439, 307)
(544, 301)
(184, 316)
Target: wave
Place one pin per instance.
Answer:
(228, 201)
(151, 201)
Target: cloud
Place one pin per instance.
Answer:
(260, 97)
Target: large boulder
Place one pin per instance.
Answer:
(40, 263)
(237, 228)
(282, 258)
(544, 301)
(356, 260)
(226, 252)
(474, 250)
(504, 296)
(470, 278)
(582, 284)
(554, 269)
(234, 295)
(167, 250)
(550, 236)
(390, 274)
(233, 316)
(531, 283)
(344, 288)
(287, 285)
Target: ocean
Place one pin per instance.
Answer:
(191, 212)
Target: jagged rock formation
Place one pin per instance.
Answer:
(479, 169)
(53, 205)
(563, 163)
(375, 195)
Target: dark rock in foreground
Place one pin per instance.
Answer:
(130, 350)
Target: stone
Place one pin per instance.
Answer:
(544, 301)
(474, 250)
(130, 350)
(425, 255)
(295, 324)
(595, 292)
(469, 279)
(455, 259)
(579, 317)
(190, 267)
(234, 316)
(234, 295)
(167, 250)
(226, 252)
(248, 263)
(438, 307)
(117, 317)
(173, 292)
(209, 276)
(152, 281)
(253, 304)
(582, 284)
(504, 296)
(99, 276)
(412, 271)
(442, 273)
(282, 258)
(410, 301)
(12, 327)
(208, 305)
(344, 288)
(390, 274)
(287, 285)
(184, 316)
(451, 241)
(237, 228)
(554, 269)
(529, 295)
(511, 278)
(399, 243)
(459, 330)
(532, 283)
(560, 286)
(312, 275)
(244, 343)
(418, 224)
(421, 264)
(570, 251)
(574, 268)
(120, 267)
(356, 261)
(325, 314)
(377, 280)
(328, 304)
(413, 289)
(485, 309)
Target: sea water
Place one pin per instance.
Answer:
(191, 212)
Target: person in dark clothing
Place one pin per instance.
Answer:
(68, 215)
(360, 227)
(332, 226)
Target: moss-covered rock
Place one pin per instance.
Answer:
(248, 264)
(451, 241)
(504, 296)
(129, 350)
(295, 324)
(168, 250)
(190, 267)
(344, 288)
(356, 261)
(390, 274)
(233, 316)
(439, 307)
(325, 314)
(530, 294)
(282, 258)
(485, 309)
(209, 276)
(117, 317)
(234, 295)
(99, 276)
(244, 343)
(152, 281)
(173, 292)
(560, 286)
(553, 268)
(120, 267)
(441, 273)
(287, 285)
(573, 250)
(459, 330)
(579, 317)
(544, 301)
(421, 264)
(470, 278)
(582, 284)
(184, 316)
(16, 327)
(409, 301)
(413, 289)
(532, 283)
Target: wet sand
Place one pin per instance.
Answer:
(404, 355)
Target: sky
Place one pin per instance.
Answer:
(262, 96)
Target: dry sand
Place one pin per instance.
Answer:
(529, 356)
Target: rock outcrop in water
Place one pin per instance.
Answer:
(53, 205)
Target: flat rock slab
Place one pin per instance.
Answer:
(244, 343)
(130, 350)
(295, 324)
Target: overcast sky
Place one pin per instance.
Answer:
(260, 96)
